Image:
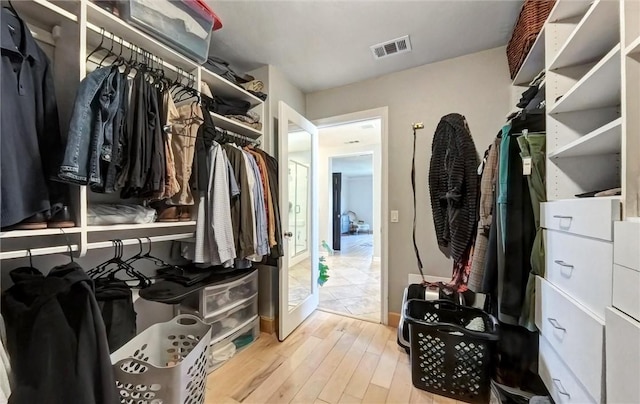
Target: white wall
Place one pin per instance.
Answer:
(360, 197)
(476, 86)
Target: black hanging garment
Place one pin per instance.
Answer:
(56, 339)
(116, 304)
(30, 144)
(453, 185)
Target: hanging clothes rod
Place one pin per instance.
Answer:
(241, 137)
(64, 249)
(117, 41)
(137, 241)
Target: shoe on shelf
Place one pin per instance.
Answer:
(35, 222)
(62, 219)
(185, 213)
(168, 214)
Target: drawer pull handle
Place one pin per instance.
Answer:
(563, 264)
(556, 324)
(560, 388)
(566, 274)
(567, 224)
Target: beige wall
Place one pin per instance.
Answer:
(476, 86)
(278, 88)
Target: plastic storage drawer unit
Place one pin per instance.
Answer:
(185, 25)
(224, 349)
(215, 299)
(229, 319)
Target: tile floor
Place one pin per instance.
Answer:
(353, 287)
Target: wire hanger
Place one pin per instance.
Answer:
(30, 258)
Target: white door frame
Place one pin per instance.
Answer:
(383, 114)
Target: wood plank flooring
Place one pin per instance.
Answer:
(328, 359)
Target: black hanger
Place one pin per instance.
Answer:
(69, 249)
(99, 47)
(9, 7)
(30, 258)
(109, 51)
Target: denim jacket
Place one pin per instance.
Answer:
(91, 127)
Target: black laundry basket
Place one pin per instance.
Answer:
(447, 358)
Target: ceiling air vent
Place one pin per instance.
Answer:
(400, 45)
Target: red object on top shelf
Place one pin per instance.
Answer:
(201, 6)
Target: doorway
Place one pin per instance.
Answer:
(351, 218)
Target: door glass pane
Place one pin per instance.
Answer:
(300, 273)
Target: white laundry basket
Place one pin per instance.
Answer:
(165, 364)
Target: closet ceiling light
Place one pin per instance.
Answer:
(393, 47)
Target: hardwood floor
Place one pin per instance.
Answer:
(328, 359)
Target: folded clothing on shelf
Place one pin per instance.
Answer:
(106, 214)
(222, 68)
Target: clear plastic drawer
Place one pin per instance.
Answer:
(225, 349)
(217, 299)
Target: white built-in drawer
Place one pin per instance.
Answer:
(626, 290)
(623, 358)
(591, 217)
(563, 386)
(627, 244)
(581, 267)
(574, 333)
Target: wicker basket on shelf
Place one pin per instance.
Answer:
(530, 21)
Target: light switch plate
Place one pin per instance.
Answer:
(394, 216)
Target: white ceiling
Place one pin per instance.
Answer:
(353, 166)
(322, 44)
(366, 133)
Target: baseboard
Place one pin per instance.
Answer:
(393, 319)
(268, 325)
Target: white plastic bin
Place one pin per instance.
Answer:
(166, 363)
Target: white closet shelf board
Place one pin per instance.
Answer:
(599, 88)
(568, 9)
(604, 140)
(223, 87)
(47, 14)
(134, 226)
(36, 233)
(595, 35)
(99, 18)
(533, 64)
(633, 47)
(223, 122)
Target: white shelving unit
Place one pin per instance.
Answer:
(79, 25)
(602, 141)
(596, 33)
(630, 41)
(585, 126)
(599, 88)
(533, 63)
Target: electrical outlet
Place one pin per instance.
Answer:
(394, 216)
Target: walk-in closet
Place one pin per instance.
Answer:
(168, 218)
